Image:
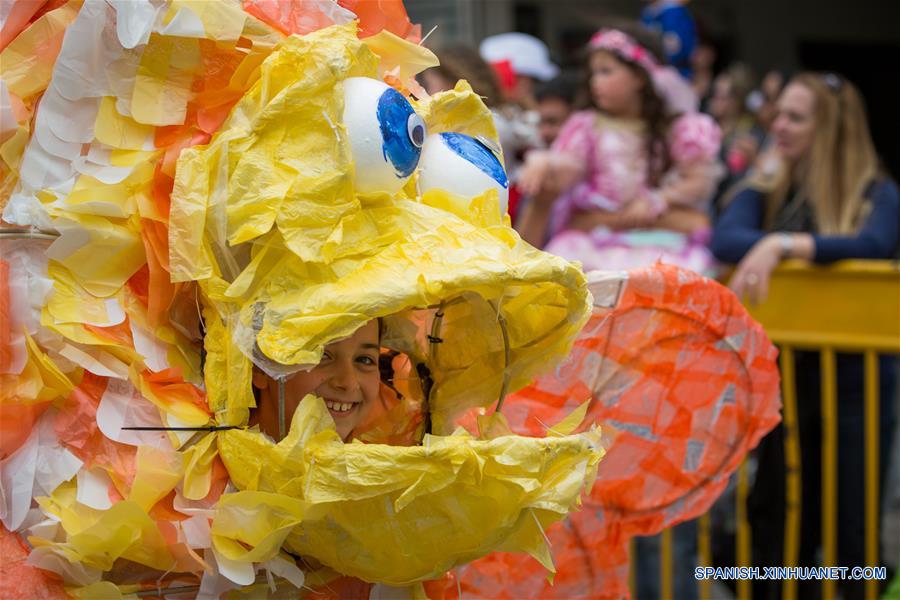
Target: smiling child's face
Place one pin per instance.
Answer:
(347, 378)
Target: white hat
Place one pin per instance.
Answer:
(528, 55)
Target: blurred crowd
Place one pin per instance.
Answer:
(648, 152)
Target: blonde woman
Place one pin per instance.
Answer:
(818, 196)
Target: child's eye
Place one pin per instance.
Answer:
(367, 360)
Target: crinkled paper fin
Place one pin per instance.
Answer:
(395, 514)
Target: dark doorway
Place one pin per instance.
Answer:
(527, 18)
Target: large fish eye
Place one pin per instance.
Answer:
(415, 128)
(464, 166)
(385, 133)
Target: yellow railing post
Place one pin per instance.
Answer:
(704, 551)
(666, 589)
(809, 308)
(792, 469)
(872, 406)
(851, 306)
(829, 467)
(743, 550)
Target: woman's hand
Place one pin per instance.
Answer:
(751, 278)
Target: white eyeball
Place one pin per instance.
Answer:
(463, 166)
(385, 134)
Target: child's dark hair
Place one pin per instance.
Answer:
(564, 87)
(653, 107)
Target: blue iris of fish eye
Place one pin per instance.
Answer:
(478, 154)
(393, 113)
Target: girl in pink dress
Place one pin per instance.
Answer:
(632, 177)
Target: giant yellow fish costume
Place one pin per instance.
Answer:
(186, 194)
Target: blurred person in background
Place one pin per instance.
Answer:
(762, 101)
(705, 64)
(741, 135)
(673, 22)
(524, 61)
(463, 62)
(634, 172)
(555, 103)
(818, 195)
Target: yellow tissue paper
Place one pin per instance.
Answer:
(400, 55)
(101, 253)
(40, 380)
(221, 20)
(280, 156)
(28, 59)
(71, 303)
(119, 131)
(157, 473)
(162, 85)
(459, 110)
(97, 538)
(198, 464)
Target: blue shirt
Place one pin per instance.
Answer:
(741, 226)
(679, 34)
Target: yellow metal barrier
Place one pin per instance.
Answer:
(852, 306)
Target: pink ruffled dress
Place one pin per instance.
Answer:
(615, 160)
